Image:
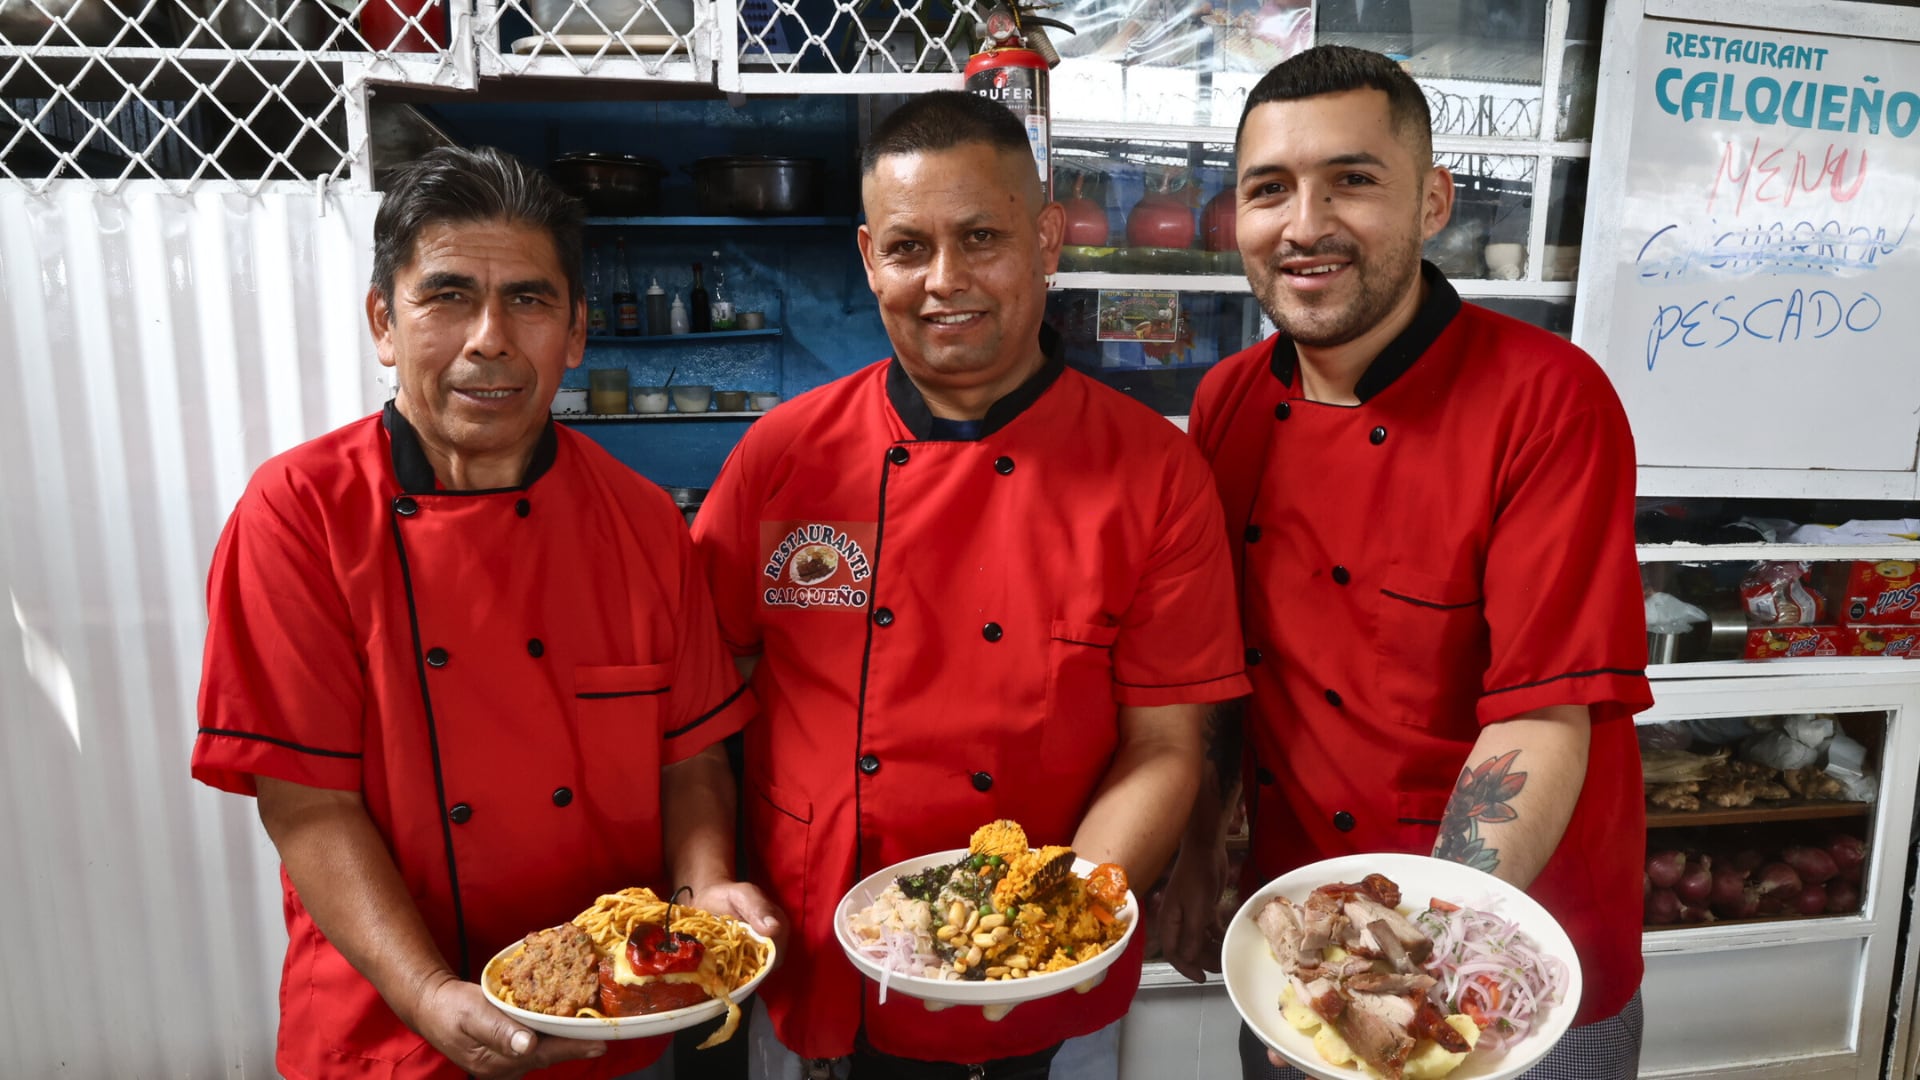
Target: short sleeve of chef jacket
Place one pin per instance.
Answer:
(281, 675)
(1564, 606)
(1180, 639)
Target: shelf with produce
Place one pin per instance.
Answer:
(1760, 813)
(682, 339)
(702, 222)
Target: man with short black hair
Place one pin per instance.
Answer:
(1431, 507)
(462, 658)
(970, 584)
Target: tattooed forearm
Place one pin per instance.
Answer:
(1483, 794)
(1226, 734)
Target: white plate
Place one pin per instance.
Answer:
(1005, 992)
(590, 44)
(621, 1027)
(1254, 980)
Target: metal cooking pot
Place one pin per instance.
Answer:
(749, 185)
(611, 185)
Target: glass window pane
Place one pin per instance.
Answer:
(1760, 817)
(1478, 60)
(1153, 346)
(1566, 208)
(1580, 70)
(1145, 207)
(1170, 61)
(1547, 314)
(1492, 206)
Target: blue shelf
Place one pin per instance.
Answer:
(671, 339)
(748, 222)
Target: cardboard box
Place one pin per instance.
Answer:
(1881, 593)
(1886, 641)
(1783, 642)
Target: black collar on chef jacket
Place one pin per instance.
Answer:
(1436, 311)
(415, 472)
(912, 405)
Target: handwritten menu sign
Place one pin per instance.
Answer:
(1766, 306)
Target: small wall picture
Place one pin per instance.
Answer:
(1139, 315)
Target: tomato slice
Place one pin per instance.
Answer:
(1107, 884)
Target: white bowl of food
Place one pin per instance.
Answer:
(577, 979)
(1527, 996)
(895, 936)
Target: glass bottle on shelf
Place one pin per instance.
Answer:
(626, 305)
(699, 313)
(678, 319)
(596, 294)
(722, 306)
(657, 317)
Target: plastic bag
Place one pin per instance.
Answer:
(1779, 750)
(1777, 594)
(1720, 729)
(1674, 736)
(1668, 614)
(1814, 731)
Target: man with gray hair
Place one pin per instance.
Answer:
(462, 658)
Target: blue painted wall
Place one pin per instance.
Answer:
(808, 280)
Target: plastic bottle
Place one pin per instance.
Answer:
(596, 294)
(657, 309)
(678, 319)
(722, 306)
(626, 305)
(699, 313)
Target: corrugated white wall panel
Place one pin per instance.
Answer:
(157, 349)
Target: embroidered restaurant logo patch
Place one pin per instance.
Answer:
(816, 563)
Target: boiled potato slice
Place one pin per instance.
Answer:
(1331, 1046)
(1302, 1017)
(1430, 1062)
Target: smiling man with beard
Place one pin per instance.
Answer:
(1431, 506)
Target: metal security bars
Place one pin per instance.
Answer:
(191, 92)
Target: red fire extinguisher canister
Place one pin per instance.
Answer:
(1017, 78)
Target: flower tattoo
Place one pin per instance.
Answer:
(1483, 794)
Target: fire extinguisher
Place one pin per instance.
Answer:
(1017, 78)
(1011, 68)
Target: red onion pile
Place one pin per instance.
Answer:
(1695, 887)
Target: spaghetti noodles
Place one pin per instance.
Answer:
(618, 923)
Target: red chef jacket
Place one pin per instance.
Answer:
(500, 675)
(1454, 551)
(960, 656)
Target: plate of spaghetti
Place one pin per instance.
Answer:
(631, 966)
(993, 924)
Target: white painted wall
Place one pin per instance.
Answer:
(154, 349)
